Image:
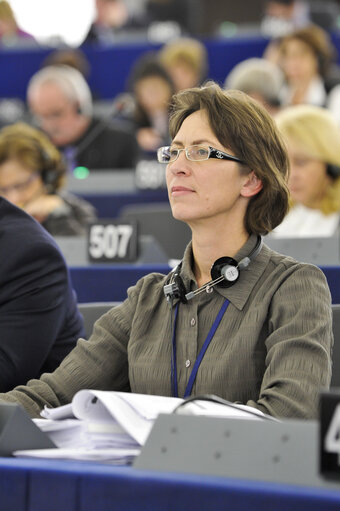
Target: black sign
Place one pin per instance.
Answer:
(330, 434)
(112, 241)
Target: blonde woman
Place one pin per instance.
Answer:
(313, 142)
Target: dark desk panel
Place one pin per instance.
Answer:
(100, 283)
(333, 277)
(109, 283)
(110, 66)
(41, 485)
(109, 205)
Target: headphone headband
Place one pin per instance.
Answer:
(224, 272)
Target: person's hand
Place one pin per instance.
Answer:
(148, 139)
(41, 207)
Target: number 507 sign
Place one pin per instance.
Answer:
(112, 241)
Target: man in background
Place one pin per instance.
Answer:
(61, 102)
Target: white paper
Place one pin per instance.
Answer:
(117, 456)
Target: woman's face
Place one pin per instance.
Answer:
(153, 93)
(183, 75)
(308, 181)
(18, 184)
(298, 62)
(209, 189)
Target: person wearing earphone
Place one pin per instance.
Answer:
(32, 176)
(234, 319)
(61, 104)
(312, 135)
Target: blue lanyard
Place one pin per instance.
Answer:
(200, 356)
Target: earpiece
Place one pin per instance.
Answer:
(333, 170)
(224, 272)
(49, 169)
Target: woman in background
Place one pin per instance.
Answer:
(186, 61)
(32, 175)
(307, 57)
(313, 140)
(152, 90)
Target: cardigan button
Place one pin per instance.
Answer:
(187, 363)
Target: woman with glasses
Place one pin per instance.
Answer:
(32, 176)
(234, 319)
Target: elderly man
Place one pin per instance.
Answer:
(61, 102)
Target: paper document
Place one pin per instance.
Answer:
(108, 425)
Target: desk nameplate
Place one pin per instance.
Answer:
(282, 452)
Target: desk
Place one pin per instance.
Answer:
(111, 65)
(333, 277)
(100, 283)
(108, 205)
(48, 485)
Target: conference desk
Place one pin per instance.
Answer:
(109, 191)
(100, 283)
(109, 205)
(49, 485)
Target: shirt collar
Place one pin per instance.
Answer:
(239, 292)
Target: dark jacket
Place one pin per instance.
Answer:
(104, 146)
(39, 319)
(72, 218)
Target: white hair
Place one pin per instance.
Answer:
(71, 82)
(256, 75)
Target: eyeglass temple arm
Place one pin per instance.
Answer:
(217, 153)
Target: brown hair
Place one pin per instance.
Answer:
(188, 51)
(243, 126)
(35, 151)
(318, 41)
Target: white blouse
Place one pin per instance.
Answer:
(305, 222)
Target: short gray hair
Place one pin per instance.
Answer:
(71, 82)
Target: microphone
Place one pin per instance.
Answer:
(123, 104)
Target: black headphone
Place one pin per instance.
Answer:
(224, 272)
(49, 169)
(333, 170)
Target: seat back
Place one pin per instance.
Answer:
(156, 219)
(92, 311)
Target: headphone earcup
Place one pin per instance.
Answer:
(49, 173)
(226, 267)
(332, 170)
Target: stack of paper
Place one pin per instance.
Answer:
(112, 426)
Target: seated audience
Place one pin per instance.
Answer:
(186, 61)
(10, 32)
(306, 56)
(72, 57)
(60, 100)
(39, 319)
(313, 140)
(259, 78)
(32, 175)
(283, 16)
(112, 18)
(257, 323)
(152, 90)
